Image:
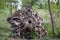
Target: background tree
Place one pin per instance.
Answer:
(51, 16)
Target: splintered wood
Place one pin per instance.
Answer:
(25, 21)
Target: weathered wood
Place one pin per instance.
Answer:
(26, 21)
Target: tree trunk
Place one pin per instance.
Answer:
(51, 16)
(15, 6)
(11, 8)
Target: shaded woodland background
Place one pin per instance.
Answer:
(49, 10)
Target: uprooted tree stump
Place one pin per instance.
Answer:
(24, 22)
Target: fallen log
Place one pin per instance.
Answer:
(25, 21)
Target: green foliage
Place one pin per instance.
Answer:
(2, 5)
(48, 28)
(4, 26)
(58, 32)
(29, 2)
(34, 34)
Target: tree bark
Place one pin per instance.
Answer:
(51, 16)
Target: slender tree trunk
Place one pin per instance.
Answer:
(51, 16)
(11, 8)
(15, 6)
